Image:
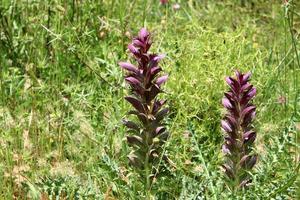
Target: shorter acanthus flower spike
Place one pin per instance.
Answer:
(239, 135)
(147, 133)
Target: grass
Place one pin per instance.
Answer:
(62, 96)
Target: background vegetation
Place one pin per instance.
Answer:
(62, 92)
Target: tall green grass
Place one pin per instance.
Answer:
(62, 96)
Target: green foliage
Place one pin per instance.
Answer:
(64, 188)
(62, 92)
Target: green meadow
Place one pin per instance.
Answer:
(62, 96)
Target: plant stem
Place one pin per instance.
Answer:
(147, 177)
(147, 172)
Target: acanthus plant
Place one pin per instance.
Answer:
(237, 124)
(147, 132)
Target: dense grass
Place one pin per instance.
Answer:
(62, 96)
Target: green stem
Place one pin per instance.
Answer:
(290, 21)
(147, 170)
(238, 153)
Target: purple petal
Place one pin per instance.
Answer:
(132, 49)
(246, 77)
(225, 149)
(234, 85)
(159, 57)
(163, 2)
(239, 76)
(248, 96)
(251, 93)
(248, 110)
(247, 119)
(136, 104)
(253, 114)
(155, 70)
(158, 105)
(229, 96)
(161, 80)
(226, 103)
(231, 120)
(154, 59)
(228, 171)
(225, 126)
(133, 81)
(138, 43)
(248, 162)
(153, 92)
(246, 87)
(128, 66)
(148, 43)
(229, 80)
(160, 130)
(152, 73)
(143, 34)
(249, 137)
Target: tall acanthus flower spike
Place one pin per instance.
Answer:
(148, 133)
(239, 135)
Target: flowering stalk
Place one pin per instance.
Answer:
(148, 133)
(239, 134)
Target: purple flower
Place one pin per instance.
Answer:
(147, 132)
(163, 2)
(239, 135)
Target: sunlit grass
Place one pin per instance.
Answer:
(62, 96)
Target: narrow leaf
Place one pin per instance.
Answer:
(129, 67)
